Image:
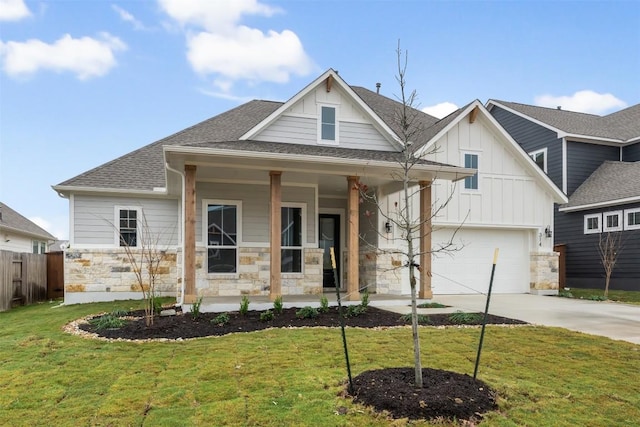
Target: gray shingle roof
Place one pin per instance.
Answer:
(13, 220)
(610, 182)
(622, 125)
(143, 169)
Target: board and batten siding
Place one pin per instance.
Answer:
(631, 153)
(95, 219)
(583, 159)
(532, 137)
(507, 195)
(583, 265)
(255, 207)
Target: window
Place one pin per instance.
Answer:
(540, 157)
(632, 219)
(222, 237)
(328, 125)
(471, 161)
(128, 227)
(612, 221)
(292, 237)
(592, 223)
(39, 247)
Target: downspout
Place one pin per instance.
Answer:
(181, 300)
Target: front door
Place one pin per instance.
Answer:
(329, 233)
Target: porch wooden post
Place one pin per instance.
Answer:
(425, 240)
(190, 294)
(353, 252)
(275, 289)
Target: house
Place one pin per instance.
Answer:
(596, 161)
(250, 201)
(18, 234)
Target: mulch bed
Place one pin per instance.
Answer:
(444, 395)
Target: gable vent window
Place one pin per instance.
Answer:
(471, 161)
(540, 158)
(328, 124)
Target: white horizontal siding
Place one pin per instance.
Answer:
(362, 136)
(95, 219)
(291, 130)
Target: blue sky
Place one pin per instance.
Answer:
(83, 82)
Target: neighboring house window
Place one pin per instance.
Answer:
(540, 157)
(222, 237)
(471, 161)
(292, 238)
(592, 223)
(39, 247)
(128, 227)
(612, 221)
(632, 219)
(328, 125)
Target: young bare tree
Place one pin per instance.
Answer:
(410, 128)
(609, 247)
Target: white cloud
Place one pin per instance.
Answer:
(231, 52)
(13, 10)
(128, 17)
(85, 57)
(584, 101)
(441, 110)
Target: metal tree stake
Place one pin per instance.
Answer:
(344, 336)
(486, 313)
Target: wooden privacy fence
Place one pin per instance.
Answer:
(23, 278)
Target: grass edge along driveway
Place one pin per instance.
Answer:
(543, 376)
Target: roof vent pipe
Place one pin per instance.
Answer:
(378, 88)
(559, 107)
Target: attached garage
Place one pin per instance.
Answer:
(468, 271)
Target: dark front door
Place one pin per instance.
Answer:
(329, 238)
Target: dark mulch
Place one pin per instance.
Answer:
(445, 394)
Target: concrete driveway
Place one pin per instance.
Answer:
(613, 320)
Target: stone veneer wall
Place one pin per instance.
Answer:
(109, 270)
(253, 275)
(379, 272)
(544, 273)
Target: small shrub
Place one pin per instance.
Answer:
(355, 310)
(364, 299)
(565, 293)
(324, 304)
(119, 312)
(221, 319)
(195, 308)
(266, 316)
(596, 298)
(307, 312)
(157, 305)
(277, 305)
(432, 305)
(462, 318)
(422, 319)
(244, 305)
(107, 321)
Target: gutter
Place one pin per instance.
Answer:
(181, 300)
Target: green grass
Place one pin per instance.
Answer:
(543, 376)
(629, 297)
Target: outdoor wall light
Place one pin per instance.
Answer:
(388, 227)
(548, 232)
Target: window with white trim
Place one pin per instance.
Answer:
(593, 223)
(328, 125)
(39, 247)
(471, 161)
(632, 219)
(222, 221)
(612, 221)
(128, 222)
(292, 238)
(540, 158)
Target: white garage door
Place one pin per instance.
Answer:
(468, 271)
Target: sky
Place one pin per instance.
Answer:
(84, 82)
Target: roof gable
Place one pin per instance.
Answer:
(12, 220)
(622, 126)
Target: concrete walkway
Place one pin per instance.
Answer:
(613, 320)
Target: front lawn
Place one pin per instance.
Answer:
(544, 376)
(629, 297)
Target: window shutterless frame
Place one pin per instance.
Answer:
(593, 223)
(221, 221)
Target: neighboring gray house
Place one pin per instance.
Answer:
(250, 201)
(596, 162)
(18, 234)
